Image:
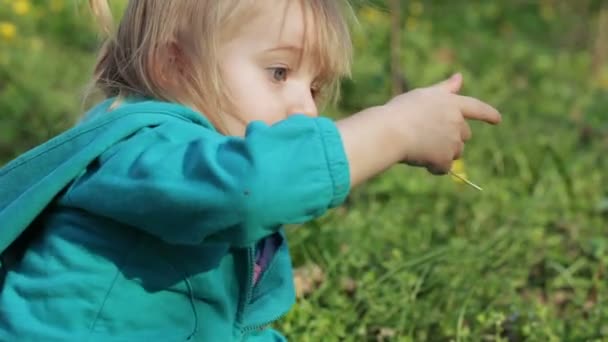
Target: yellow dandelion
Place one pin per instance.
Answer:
(21, 7)
(459, 174)
(8, 30)
(458, 169)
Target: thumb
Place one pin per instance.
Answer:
(452, 84)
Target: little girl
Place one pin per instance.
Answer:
(158, 216)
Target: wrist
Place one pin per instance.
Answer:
(396, 135)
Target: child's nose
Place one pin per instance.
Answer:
(303, 102)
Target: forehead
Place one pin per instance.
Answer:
(316, 28)
(278, 22)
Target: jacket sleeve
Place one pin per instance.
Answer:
(187, 188)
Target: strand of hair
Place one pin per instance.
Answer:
(103, 14)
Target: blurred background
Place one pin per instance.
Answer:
(410, 256)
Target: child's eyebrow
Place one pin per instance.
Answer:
(289, 48)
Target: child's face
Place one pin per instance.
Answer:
(264, 70)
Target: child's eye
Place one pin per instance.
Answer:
(279, 74)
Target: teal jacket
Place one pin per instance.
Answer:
(146, 220)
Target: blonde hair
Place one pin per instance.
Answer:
(136, 58)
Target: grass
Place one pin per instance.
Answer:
(436, 260)
(413, 257)
(410, 256)
(432, 259)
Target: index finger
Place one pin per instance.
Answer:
(475, 109)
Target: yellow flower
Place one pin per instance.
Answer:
(8, 30)
(21, 7)
(459, 169)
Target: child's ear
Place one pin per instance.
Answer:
(168, 66)
(177, 59)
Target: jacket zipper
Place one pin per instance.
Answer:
(249, 292)
(252, 293)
